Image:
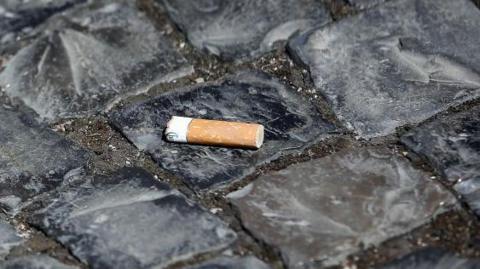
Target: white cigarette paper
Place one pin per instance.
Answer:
(214, 132)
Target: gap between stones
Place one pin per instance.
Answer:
(277, 64)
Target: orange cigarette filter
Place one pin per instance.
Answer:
(215, 132)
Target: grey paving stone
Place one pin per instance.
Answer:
(396, 64)
(8, 238)
(34, 262)
(16, 15)
(129, 220)
(291, 124)
(87, 58)
(248, 262)
(318, 212)
(33, 158)
(470, 192)
(238, 29)
(452, 145)
(433, 258)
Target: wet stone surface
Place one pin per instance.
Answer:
(399, 63)
(23, 15)
(238, 29)
(322, 210)
(248, 262)
(33, 158)
(85, 59)
(129, 220)
(34, 262)
(291, 123)
(433, 258)
(8, 238)
(452, 145)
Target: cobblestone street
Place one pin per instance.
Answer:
(371, 111)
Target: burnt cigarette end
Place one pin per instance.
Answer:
(215, 133)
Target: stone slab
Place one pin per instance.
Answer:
(86, 59)
(291, 123)
(318, 212)
(399, 63)
(239, 29)
(432, 258)
(33, 158)
(8, 238)
(17, 15)
(452, 145)
(129, 220)
(34, 262)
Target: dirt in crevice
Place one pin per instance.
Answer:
(458, 230)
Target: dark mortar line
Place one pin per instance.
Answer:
(422, 163)
(207, 65)
(450, 111)
(269, 250)
(477, 3)
(214, 68)
(339, 9)
(158, 15)
(324, 147)
(319, 149)
(36, 229)
(191, 192)
(412, 237)
(212, 198)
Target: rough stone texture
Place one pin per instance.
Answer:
(33, 158)
(321, 210)
(399, 63)
(291, 124)
(237, 29)
(249, 262)
(432, 258)
(16, 15)
(89, 57)
(452, 145)
(129, 220)
(34, 262)
(470, 191)
(8, 238)
(364, 4)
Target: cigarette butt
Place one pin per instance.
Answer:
(214, 132)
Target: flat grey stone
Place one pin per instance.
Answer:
(248, 262)
(452, 145)
(470, 192)
(16, 15)
(399, 63)
(237, 29)
(316, 213)
(87, 58)
(33, 158)
(34, 262)
(8, 238)
(433, 258)
(129, 220)
(291, 123)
